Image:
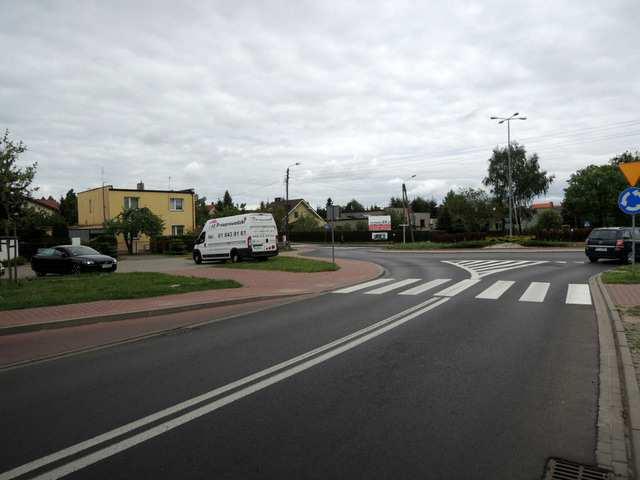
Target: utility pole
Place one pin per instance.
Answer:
(286, 216)
(405, 201)
(510, 188)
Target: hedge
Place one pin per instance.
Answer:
(172, 245)
(564, 235)
(394, 236)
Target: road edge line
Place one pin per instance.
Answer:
(618, 443)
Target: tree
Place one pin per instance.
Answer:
(527, 179)
(202, 211)
(548, 220)
(226, 207)
(625, 158)
(321, 211)
(15, 182)
(69, 207)
(396, 203)
(329, 202)
(131, 222)
(419, 204)
(469, 210)
(592, 196)
(353, 206)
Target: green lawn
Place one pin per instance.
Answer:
(623, 274)
(40, 292)
(285, 264)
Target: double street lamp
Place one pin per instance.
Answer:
(508, 120)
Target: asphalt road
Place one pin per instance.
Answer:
(445, 387)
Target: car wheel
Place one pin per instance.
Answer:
(76, 269)
(234, 257)
(593, 259)
(197, 257)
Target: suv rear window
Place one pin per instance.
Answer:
(604, 234)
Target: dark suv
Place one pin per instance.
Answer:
(612, 243)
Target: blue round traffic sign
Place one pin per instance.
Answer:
(629, 200)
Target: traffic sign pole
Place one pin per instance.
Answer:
(633, 240)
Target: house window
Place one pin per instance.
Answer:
(295, 214)
(90, 206)
(177, 230)
(131, 202)
(422, 223)
(175, 204)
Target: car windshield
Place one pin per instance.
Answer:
(603, 235)
(82, 251)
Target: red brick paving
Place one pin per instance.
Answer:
(624, 295)
(256, 283)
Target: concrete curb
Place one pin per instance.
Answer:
(486, 250)
(619, 397)
(74, 322)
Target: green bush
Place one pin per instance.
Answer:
(15, 261)
(105, 244)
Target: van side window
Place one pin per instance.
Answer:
(201, 237)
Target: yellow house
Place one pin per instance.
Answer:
(97, 205)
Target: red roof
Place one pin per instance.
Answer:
(50, 203)
(542, 205)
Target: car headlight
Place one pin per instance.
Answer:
(115, 261)
(89, 262)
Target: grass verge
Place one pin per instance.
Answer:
(440, 246)
(285, 264)
(548, 243)
(623, 274)
(41, 292)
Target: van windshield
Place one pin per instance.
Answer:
(603, 235)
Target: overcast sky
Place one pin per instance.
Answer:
(225, 95)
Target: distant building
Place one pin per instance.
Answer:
(97, 205)
(44, 205)
(297, 209)
(538, 208)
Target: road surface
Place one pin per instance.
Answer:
(478, 365)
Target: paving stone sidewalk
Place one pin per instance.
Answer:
(256, 284)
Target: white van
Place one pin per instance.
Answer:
(253, 235)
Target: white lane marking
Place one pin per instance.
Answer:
(560, 261)
(496, 290)
(486, 265)
(535, 293)
(578, 294)
(425, 286)
(510, 263)
(575, 261)
(393, 286)
(498, 270)
(362, 286)
(457, 288)
(471, 272)
(153, 432)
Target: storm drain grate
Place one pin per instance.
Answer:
(559, 469)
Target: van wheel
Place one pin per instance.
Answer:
(234, 257)
(197, 257)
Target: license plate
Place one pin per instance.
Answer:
(601, 249)
(106, 265)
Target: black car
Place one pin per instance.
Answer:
(71, 259)
(614, 243)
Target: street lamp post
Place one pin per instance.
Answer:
(508, 120)
(405, 201)
(286, 216)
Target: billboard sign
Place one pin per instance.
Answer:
(379, 223)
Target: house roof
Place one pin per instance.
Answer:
(542, 205)
(49, 203)
(293, 203)
(190, 191)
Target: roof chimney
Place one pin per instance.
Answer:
(140, 185)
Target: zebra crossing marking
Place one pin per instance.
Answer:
(425, 286)
(362, 286)
(496, 290)
(457, 288)
(578, 294)
(535, 292)
(393, 286)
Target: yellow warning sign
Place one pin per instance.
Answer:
(631, 171)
